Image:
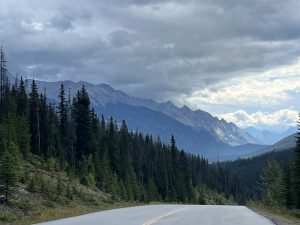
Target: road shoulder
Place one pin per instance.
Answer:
(276, 219)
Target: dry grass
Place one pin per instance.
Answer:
(280, 216)
(42, 213)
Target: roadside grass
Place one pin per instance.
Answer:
(42, 213)
(279, 215)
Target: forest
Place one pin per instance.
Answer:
(272, 178)
(68, 135)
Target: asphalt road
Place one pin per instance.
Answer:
(169, 215)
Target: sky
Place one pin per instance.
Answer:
(238, 60)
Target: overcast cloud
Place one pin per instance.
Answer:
(220, 56)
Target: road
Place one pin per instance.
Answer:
(169, 215)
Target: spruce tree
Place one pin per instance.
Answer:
(114, 153)
(273, 184)
(44, 124)
(290, 193)
(22, 99)
(34, 119)
(9, 170)
(23, 136)
(83, 124)
(63, 114)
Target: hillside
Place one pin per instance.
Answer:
(45, 192)
(284, 144)
(249, 170)
(257, 150)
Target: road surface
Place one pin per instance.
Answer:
(169, 215)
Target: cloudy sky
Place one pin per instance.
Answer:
(235, 59)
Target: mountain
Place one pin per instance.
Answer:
(284, 144)
(268, 137)
(195, 131)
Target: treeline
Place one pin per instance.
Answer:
(99, 152)
(249, 171)
(273, 178)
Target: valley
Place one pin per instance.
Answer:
(149, 112)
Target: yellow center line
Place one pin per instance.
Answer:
(163, 216)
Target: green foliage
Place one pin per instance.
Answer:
(88, 180)
(272, 184)
(33, 185)
(34, 119)
(71, 138)
(9, 170)
(23, 136)
(7, 217)
(52, 164)
(247, 172)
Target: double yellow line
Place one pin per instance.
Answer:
(163, 216)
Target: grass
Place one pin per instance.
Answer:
(52, 211)
(279, 215)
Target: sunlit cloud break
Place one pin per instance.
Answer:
(277, 121)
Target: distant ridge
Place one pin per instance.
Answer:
(286, 143)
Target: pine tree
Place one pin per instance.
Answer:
(23, 136)
(273, 184)
(114, 153)
(34, 119)
(54, 149)
(104, 172)
(22, 99)
(125, 161)
(290, 193)
(83, 124)
(44, 124)
(88, 171)
(63, 114)
(22, 128)
(9, 170)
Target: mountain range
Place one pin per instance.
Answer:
(267, 137)
(286, 143)
(195, 131)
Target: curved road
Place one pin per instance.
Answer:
(169, 215)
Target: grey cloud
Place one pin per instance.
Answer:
(150, 48)
(120, 38)
(62, 22)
